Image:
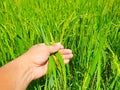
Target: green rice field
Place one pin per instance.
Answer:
(91, 28)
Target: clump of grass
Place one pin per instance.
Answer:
(116, 69)
(56, 73)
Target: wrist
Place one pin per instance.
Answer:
(25, 71)
(17, 74)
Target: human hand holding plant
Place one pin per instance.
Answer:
(29, 66)
(38, 56)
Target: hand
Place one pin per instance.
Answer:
(38, 57)
(32, 65)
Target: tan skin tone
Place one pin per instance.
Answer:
(17, 74)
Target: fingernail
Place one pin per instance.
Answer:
(58, 43)
(71, 55)
(70, 51)
(62, 46)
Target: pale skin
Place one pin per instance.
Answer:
(17, 74)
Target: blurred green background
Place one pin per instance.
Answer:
(91, 28)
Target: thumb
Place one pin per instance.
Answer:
(54, 48)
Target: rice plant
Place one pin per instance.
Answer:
(56, 74)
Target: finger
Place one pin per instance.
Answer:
(54, 48)
(65, 51)
(44, 68)
(66, 61)
(68, 56)
(40, 71)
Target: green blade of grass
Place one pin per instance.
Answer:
(43, 36)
